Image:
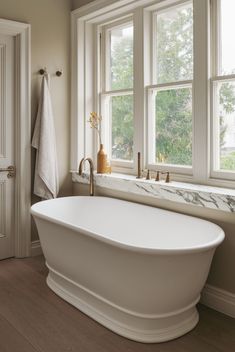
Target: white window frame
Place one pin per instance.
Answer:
(155, 87)
(86, 87)
(215, 79)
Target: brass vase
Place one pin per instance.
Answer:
(101, 160)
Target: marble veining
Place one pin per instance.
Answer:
(198, 195)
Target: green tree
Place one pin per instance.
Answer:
(122, 127)
(227, 103)
(174, 106)
(122, 64)
(174, 127)
(122, 106)
(227, 106)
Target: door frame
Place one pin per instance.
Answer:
(22, 129)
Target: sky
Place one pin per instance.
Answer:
(228, 33)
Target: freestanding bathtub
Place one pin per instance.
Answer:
(136, 269)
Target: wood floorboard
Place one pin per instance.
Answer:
(11, 340)
(216, 328)
(36, 317)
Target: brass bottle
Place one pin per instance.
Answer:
(101, 160)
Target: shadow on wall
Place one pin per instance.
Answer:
(79, 3)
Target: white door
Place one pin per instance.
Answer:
(6, 146)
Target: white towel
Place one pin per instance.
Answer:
(46, 180)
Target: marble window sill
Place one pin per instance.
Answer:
(198, 195)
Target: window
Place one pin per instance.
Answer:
(171, 91)
(223, 91)
(117, 91)
(162, 75)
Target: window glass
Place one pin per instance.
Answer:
(122, 127)
(225, 121)
(121, 58)
(173, 126)
(174, 44)
(227, 44)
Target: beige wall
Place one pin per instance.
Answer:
(79, 3)
(222, 272)
(50, 47)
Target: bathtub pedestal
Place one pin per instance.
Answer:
(134, 326)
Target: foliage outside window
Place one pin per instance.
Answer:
(173, 64)
(119, 85)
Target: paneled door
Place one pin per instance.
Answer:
(7, 169)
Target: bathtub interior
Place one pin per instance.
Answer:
(131, 224)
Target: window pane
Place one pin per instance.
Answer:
(174, 36)
(121, 58)
(227, 44)
(225, 120)
(122, 127)
(173, 133)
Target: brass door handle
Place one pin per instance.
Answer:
(10, 169)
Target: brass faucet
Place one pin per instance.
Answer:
(91, 186)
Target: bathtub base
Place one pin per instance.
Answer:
(132, 325)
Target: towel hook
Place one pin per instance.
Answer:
(58, 73)
(43, 71)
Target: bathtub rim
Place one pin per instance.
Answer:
(173, 251)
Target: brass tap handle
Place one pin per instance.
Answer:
(157, 176)
(139, 166)
(148, 177)
(167, 177)
(167, 173)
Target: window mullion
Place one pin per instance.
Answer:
(226, 78)
(139, 82)
(200, 92)
(118, 92)
(171, 85)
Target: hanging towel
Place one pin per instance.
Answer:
(46, 180)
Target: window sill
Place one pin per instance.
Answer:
(187, 193)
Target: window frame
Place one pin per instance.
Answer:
(215, 79)
(155, 86)
(86, 88)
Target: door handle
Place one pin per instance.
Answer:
(11, 171)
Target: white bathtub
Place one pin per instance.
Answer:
(137, 270)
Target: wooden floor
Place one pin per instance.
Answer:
(33, 318)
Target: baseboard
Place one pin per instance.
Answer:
(220, 300)
(36, 248)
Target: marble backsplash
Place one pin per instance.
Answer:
(198, 195)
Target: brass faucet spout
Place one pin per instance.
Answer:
(91, 185)
(80, 166)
